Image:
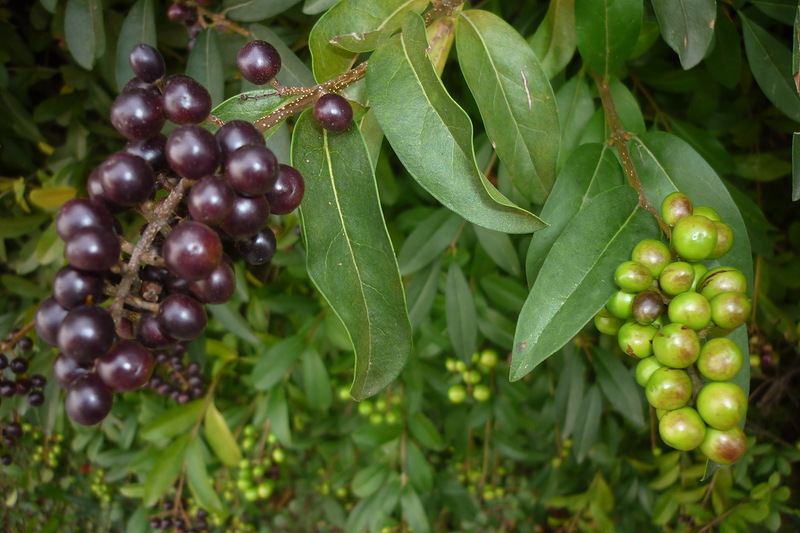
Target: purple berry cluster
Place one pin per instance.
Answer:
(14, 378)
(196, 189)
(175, 378)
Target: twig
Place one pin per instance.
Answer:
(7, 346)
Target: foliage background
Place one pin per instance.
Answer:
(571, 446)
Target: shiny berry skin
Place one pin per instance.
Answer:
(81, 213)
(94, 249)
(621, 304)
(722, 404)
(722, 279)
(7, 388)
(708, 212)
(632, 276)
(653, 254)
(674, 207)
(38, 381)
(182, 317)
(137, 114)
(720, 359)
(6, 459)
(247, 217)
(152, 335)
(258, 249)
(182, 14)
(729, 310)
(258, 61)
(645, 368)
(682, 429)
(88, 401)
(251, 170)
(66, 370)
(725, 241)
(192, 250)
(237, 133)
(724, 447)
(18, 365)
(606, 323)
(126, 366)
(647, 307)
(676, 346)
(147, 63)
(216, 288)
(333, 112)
(694, 237)
(152, 150)
(287, 192)
(36, 398)
(676, 278)
(211, 200)
(185, 101)
(127, 179)
(86, 333)
(192, 152)
(669, 388)
(690, 309)
(636, 339)
(47, 320)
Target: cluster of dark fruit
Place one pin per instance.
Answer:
(186, 524)
(661, 315)
(21, 384)
(11, 433)
(234, 183)
(186, 14)
(176, 379)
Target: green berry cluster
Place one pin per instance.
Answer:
(384, 410)
(668, 304)
(256, 477)
(483, 364)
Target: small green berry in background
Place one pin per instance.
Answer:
(399, 266)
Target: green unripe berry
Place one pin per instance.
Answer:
(653, 254)
(278, 455)
(676, 278)
(645, 369)
(676, 346)
(344, 394)
(244, 484)
(720, 359)
(636, 340)
(674, 207)
(633, 276)
(380, 404)
(722, 279)
(621, 305)
(694, 237)
(660, 413)
(705, 211)
(461, 366)
(700, 270)
(683, 429)
(248, 443)
(244, 465)
(265, 489)
(258, 471)
(392, 418)
(475, 356)
(729, 310)
(457, 393)
(669, 388)
(724, 447)
(489, 358)
(690, 309)
(724, 241)
(481, 393)
(251, 494)
(647, 307)
(365, 408)
(376, 419)
(722, 404)
(450, 364)
(472, 377)
(606, 323)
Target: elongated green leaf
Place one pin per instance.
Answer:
(139, 27)
(724, 62)
(220, 438)
(500, 248)
(432, 135)
(19, 117)
(249, 106)
(462, 327)
(252, 10)
(370, 40)
(233, 322)
(506, 293)
(428, 241)
(355, 17)
(781, 10)
(554, 41)
(293, 70)
(576, 107)
(514, 97)
(771, 63)
(590, 170)
(84, 31)
(369, 480)
(569, 391)
(165, 470)
(795, 167)
(413, 510)
(624, 394)
(205, 64)
(421, 292)
(316, 381)
(276, 361)
(350, 257)
(199, 482)
(588, 423)
(687, 26)
(424, 431)
(576, 279)
(607, 31)
(177, 420)
(278, 415)
(314, 7)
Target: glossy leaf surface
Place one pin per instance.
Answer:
(84, 31)
(462, 327)
(555, 41)
(205, 64)
(607, 31)
(687, 26)
(139, 27)
(219, 437)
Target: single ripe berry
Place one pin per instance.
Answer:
(258, 249)
(211, 200)
(653, 254)
(333, 112)
(216, 288)
(147, 63)
(88, 400)
(81, 213)
(185, 101)
(722, 404)
(676, 346)
(647, 307)
(251, 170)
(66, 370)
(724, 240)
(152, 335)
(636, 339)
(94, 249)
(669, 388)
(729, 310)
(682, 429)
(86, 333)
(258, 61)
(127, 179)
(192, 152)
(247, 217)
(621, 304)
(137, 114)
(152, 150)
(606, 323)
(182, 317)
(18, 365)
(126, 366)
(192, 250)
(676, 278)
(694, 237)
(690, 309)
(237, 133)
(36, 398)
(720, 359)
(632, 276)
(708, 212)
(674, 207)
(724, 447)
(722, 279)
(182, 14)
(38, 381)
(287, 192)
(49, 316)
(645, 368)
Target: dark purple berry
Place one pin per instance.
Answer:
(6, 460)
(252, 170)
(86, 333)
(36, 398)
(177, 285)
(66, 370)
(7, 388)
(73, 287)
(185, 101)
(182, 14)
(153, 273)
(94, 249)
(137, 83)
(237, 133)
(259, 248)
(13, 429)
(192, 250)
(127, 179)
(147, 63)
(152, 335)
(287, 192)
(88, 400)
(126, 366)
(216, 288)
(247, 217)
(24, 386)
(152, 150)
(38, 381)
(4, 361)
(192, 152)
(25, 344)
(193, 369)
(258, 61)
(81, 213)
(211, 200)
(137, 114)
(333, 112)
(182, 317)
(19, 365)
(48, 319)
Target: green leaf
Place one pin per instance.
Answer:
(708, 146)
(419, 470)
(506, 293)
(555, 40)
(421, 292)
(514, 97)
(795, 167)
(576, 279)
(424, 431)
(432, 135)
(233, 322)
(687, 26)
(175, 421)
(200, 483)
(413, 511)
(84, 31)
(500, 249)
(278, 415)
(764, 166)
(349, 255)
(590, 170)
(624, 394)
(250, 106)
(574, 100)
(369, 40)
(462, 324)
(274, 362)
(294, 71)
(781, 10)
(354, 17)
(52, 197)
(570, 391)
(165, 470)
(205, 64)
(220, 438)
(607, 31)
(19, 117)
(316, 382)
(724, 62)
(369, 480)
(771, 63)
(139, 27)
(23, 287)
(428, 240)
(588, 424)
(315, 7)
(252, 10)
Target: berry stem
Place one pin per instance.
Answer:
(618, 137)
(7, 346)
